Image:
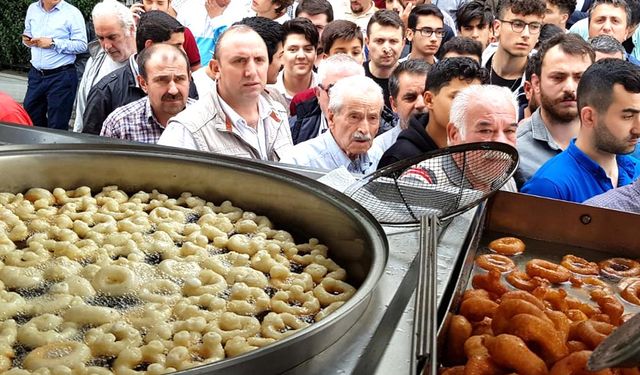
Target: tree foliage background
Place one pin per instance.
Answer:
(13, 54)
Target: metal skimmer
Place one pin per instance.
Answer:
(620, 349)
(430, 189)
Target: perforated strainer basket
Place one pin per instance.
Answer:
(429, 189)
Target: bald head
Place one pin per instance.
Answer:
(162, 53)
(236, 33)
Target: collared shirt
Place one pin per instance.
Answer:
(388, 138)
(279, 85)
(179, 136)
(323, 152)
(361, 19)
(574, 176)
(535, 145)
(625, 198)
(135, 122)
(65, 25)
(255, 137)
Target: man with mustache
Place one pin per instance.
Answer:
(597, 160)
(164, 77)
(355, 106)
(563, 60)
(115, 43)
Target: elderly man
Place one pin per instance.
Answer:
(238, 118)
(55, 33)
(116, 34)
(355, 106)
(474, 119)
(596, 161)
(164, 77)
(311, 115)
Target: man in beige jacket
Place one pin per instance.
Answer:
(238, 118)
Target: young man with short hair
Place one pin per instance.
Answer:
(518, 26)
(300, 43)
(342, 36)
(475, 20)
(597, 160)
(385, 40)
(272, 9)
(462, 47)
(563, 60)
(425, 32)
(428, 131)
(319, 12)
(558, 12)
(358, 12)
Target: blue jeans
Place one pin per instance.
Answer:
(49, 98)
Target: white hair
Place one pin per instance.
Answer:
(354, 85)
(339, 63)
(114, 8)
(460, 105)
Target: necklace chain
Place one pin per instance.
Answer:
(513, 85)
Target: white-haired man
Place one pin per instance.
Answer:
(311, 115)
(354, 110)
(115, 42)
(474, 119)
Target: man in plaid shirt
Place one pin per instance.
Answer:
(164, 76)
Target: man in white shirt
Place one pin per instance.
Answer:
(238, 118)
(355, 106)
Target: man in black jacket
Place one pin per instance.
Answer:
(121, 86)
(428, 131)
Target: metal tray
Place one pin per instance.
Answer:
(550, 229)
(302, 206)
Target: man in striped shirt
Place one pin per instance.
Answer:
(164, 76)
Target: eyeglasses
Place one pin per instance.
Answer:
(518, 26)
(325, 89)
(427, 32)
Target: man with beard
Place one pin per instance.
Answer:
(563, 60)
(355, 105)
(597, 161)
(358, 12)
(164, 77)
(406, 88)
(385, 40)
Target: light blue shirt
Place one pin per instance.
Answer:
(581, 28)
(323, 152)
(65, 25)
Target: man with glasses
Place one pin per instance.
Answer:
(425, 32)
(517, 26)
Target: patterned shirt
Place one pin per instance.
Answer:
(625, 198)
(135, 122)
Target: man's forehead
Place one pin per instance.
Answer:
(377, 29)
(508, 14)
(296, 39)
(429, 19)
(608, 10)
(411, 80)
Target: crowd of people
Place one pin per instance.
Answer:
(356, 84)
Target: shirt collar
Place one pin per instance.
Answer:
(235, 120)
(149, 116)
(540, 132)
(55, 7)
(133, 65)
(359, 165)
(626, 165)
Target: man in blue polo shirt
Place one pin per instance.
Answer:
(597, 161)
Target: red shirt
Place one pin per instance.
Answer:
(191, 48)
(12, 112)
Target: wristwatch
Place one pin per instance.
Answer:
(53, 43)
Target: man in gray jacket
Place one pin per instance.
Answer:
(116, 41)
(238, 118)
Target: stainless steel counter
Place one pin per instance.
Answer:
(380, 342)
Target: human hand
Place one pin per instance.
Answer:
(404, 15)
(137, 9)
(26, 39)
(42, 42)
